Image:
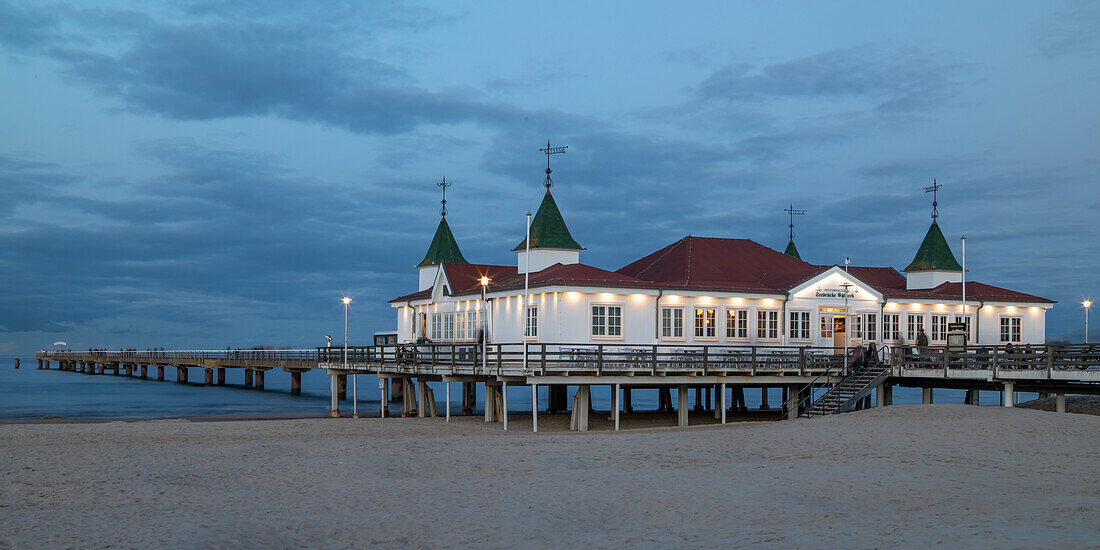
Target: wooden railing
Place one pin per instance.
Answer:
(1023, 357)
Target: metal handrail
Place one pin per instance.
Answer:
(808, 403)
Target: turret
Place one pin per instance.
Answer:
(551, 242)
(934, 263)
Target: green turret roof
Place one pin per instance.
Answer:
(934, 253)
(548, 229)
(791, 250)
(443, 248)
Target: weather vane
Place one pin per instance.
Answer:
(551, 151)
(444, 185)
(793, 212)
(932, 189)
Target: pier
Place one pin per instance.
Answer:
(812, 381)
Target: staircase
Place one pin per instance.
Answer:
(846, 394)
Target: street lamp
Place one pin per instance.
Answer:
(485, 331)
(1086, 304)
(354, 382)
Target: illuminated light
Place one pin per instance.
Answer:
(485, 281)
(704, 299)
(1011, 309)
(639, 297)
(346, 300)
(1086, 304)
(606, 295)
(571, 294)
(915, 306)
(768, 301)
(738, 300)
(891, 305)
(939, 307)
(1034, 309)
(673, 298)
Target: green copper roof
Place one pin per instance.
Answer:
(791, 250)
(443, 248)
(548, 228)
(934, 253)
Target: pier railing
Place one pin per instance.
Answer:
(569, 358)
(1059, 357)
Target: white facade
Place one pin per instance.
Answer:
(542, 258)
(808, 315)
(916, 280)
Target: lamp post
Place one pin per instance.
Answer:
(485, 332)
(1086, 304)
(354, 385)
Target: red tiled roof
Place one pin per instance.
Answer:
(423, 294)
(711, 263)
(705, 263)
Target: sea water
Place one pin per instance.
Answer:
(28, 392)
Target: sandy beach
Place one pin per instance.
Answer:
(910, 476)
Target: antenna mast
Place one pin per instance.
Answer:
(792, 211)
(933, 189)
(548, 150)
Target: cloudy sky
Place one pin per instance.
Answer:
(216, 174)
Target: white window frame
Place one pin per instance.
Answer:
(437, 327)
(965, 319)
(854, 326)
(606, 324)
(673, 332)
(891, 327)
(770, 317)
(531, 323)
(825, 327)
(448, 326)
(911, 331)
(737, 325)
(938, 332)
(799, 327)
(870, 326)
(698, 327)
(1019, 329)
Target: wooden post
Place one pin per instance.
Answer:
(208, 377)
(628, 406)
(1010, 394)
(682, 405)
(793, 396)
(221, 376)
(334, 401)
(926, 396)
(698, 398)
(584, 405)
(295, 382)
(160, 373)
(1060, 402)
(384, 404)
(422, 394)
(722, 388)
(248, 378)
(144, 372)
(490, 403)
(259, 379)
(764, 399)
(468, 398)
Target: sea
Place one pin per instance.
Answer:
(30, 393)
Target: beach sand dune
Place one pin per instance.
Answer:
(909, 476)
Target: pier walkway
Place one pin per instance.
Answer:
(717, 374)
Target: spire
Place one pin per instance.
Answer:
(548, 229)
(792, 211)
(791, 250)
(444, 248)
(934, 253)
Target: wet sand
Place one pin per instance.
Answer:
(908, 476)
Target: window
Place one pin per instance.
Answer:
(607, 320)
(964, 319)
(448, 326)
(737, 323)
(856, 330)
(913, 325)
(890, 328)
(1010, 329)
(704, 323)
(826, 326)
(532, 322)
(460, 325)
(870, 324)
(800, 325)
(672, 322)
(939, 328)
(471, 324)
(437, 326)
(767, 324)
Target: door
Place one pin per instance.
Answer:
(840, 325)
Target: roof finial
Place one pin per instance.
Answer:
(932, 189)
(793, 212)
(551, 151)
(444, 185)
